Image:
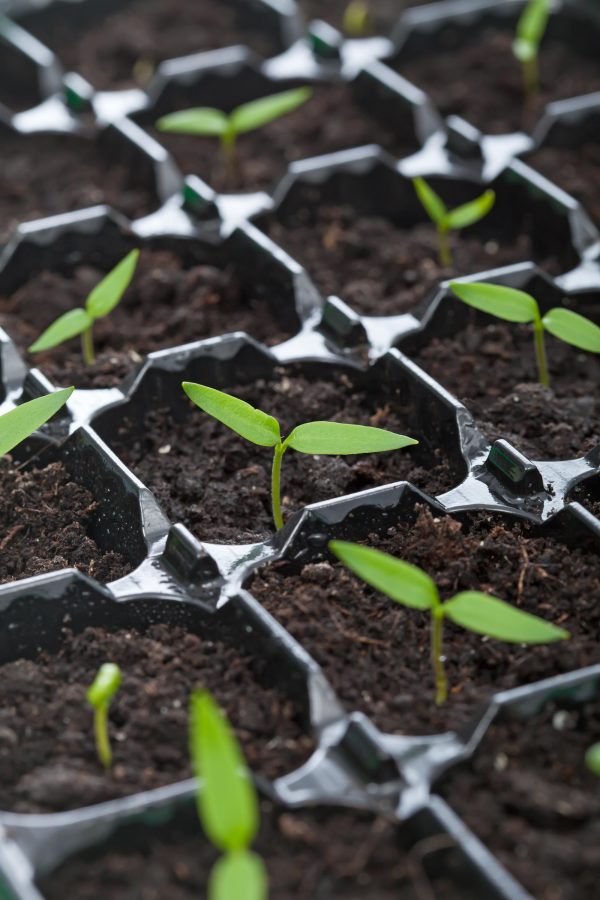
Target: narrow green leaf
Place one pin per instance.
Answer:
(238, 876)
(105, 685)
(227, 802)
(502, 302)
(574, 329)
(260, 112)
(247, 421)
(488, 615)
(108, 292)
(471, 212)
(530, 29)
(592, 759)
(433, 205)
(340, 439)
(19, 423)
(67, 326)
(202, 121)
(400, 580)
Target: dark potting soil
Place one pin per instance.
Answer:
(379, 268)
(45, 518)
(220, 485)
(317, 854)
(19, 87)
(44, 175)
(497, 106)
(576, 171)
(48, 760)
(377, 653)
(173, 299)
(529, 796)
(383, 14)
(492, 369)
(329, 121)
(121, 49)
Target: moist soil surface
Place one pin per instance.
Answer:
(115, 50)
(381, 269)
(173, 299)
(329, 121)
(576, 171)
(529, 796)
(44, 175)
(309, 855)
(497, 106)
(45, 521)
(219, 485)
(48, 761)
(491, 369)
(376, 653)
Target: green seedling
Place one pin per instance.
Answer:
(19, 423)
(512, 305)
(313, 438)
(356, 21)
(472, 610)
(205, 121)
(106, 684)
(447, 220)
(530, 31)
(592, 759)
(227, 803)
(101, 301)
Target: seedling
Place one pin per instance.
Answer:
(530, 31)
(19, 423)
(206, 121)
(227, 803)
(512, 305)
(447, 220)
(313, 438)
(472, 610)
(356, 21)
(106, 684)
(592, 759)
(100, 302)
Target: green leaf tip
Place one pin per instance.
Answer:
(105, 685)
(67, 326)
(226, 797)
(257, 113)
(490, 616)
(238, 876)
(247, 421)
(530, 29)
(341, 439)
(572, 328)
(19, 423)
(431, 202)
(592, 759)
(399, 580)
(503, 302)
(203, 121)
(108, 292)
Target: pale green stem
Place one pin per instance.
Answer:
(441, 682)
(87, 346)
(276, 485)
(228, 141)
(540, 352)
(445, 254)
(531, 77)
(101, 732)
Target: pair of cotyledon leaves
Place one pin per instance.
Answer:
(452, 219)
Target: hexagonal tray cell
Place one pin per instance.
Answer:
(377, 655)
(219, 485)
(490, 366)
(446, 50)
(182, 290)
(118, 44)
(354, 222)
(338, 116)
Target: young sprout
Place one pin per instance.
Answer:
(592, 759)
(100, 302)
(99, 695)
(206, 121)
(517, 306)
(447, 220)
(19, 423)
(530, 31)
(472, 610)
(356, 21)
(227, 803)
(314, 438)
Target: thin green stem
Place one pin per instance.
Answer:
(87, 346)
(531, 77)
(101, 733)
(276, 485)
(437, 659)
(228, 146)
(540, 352)
(444, 245)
